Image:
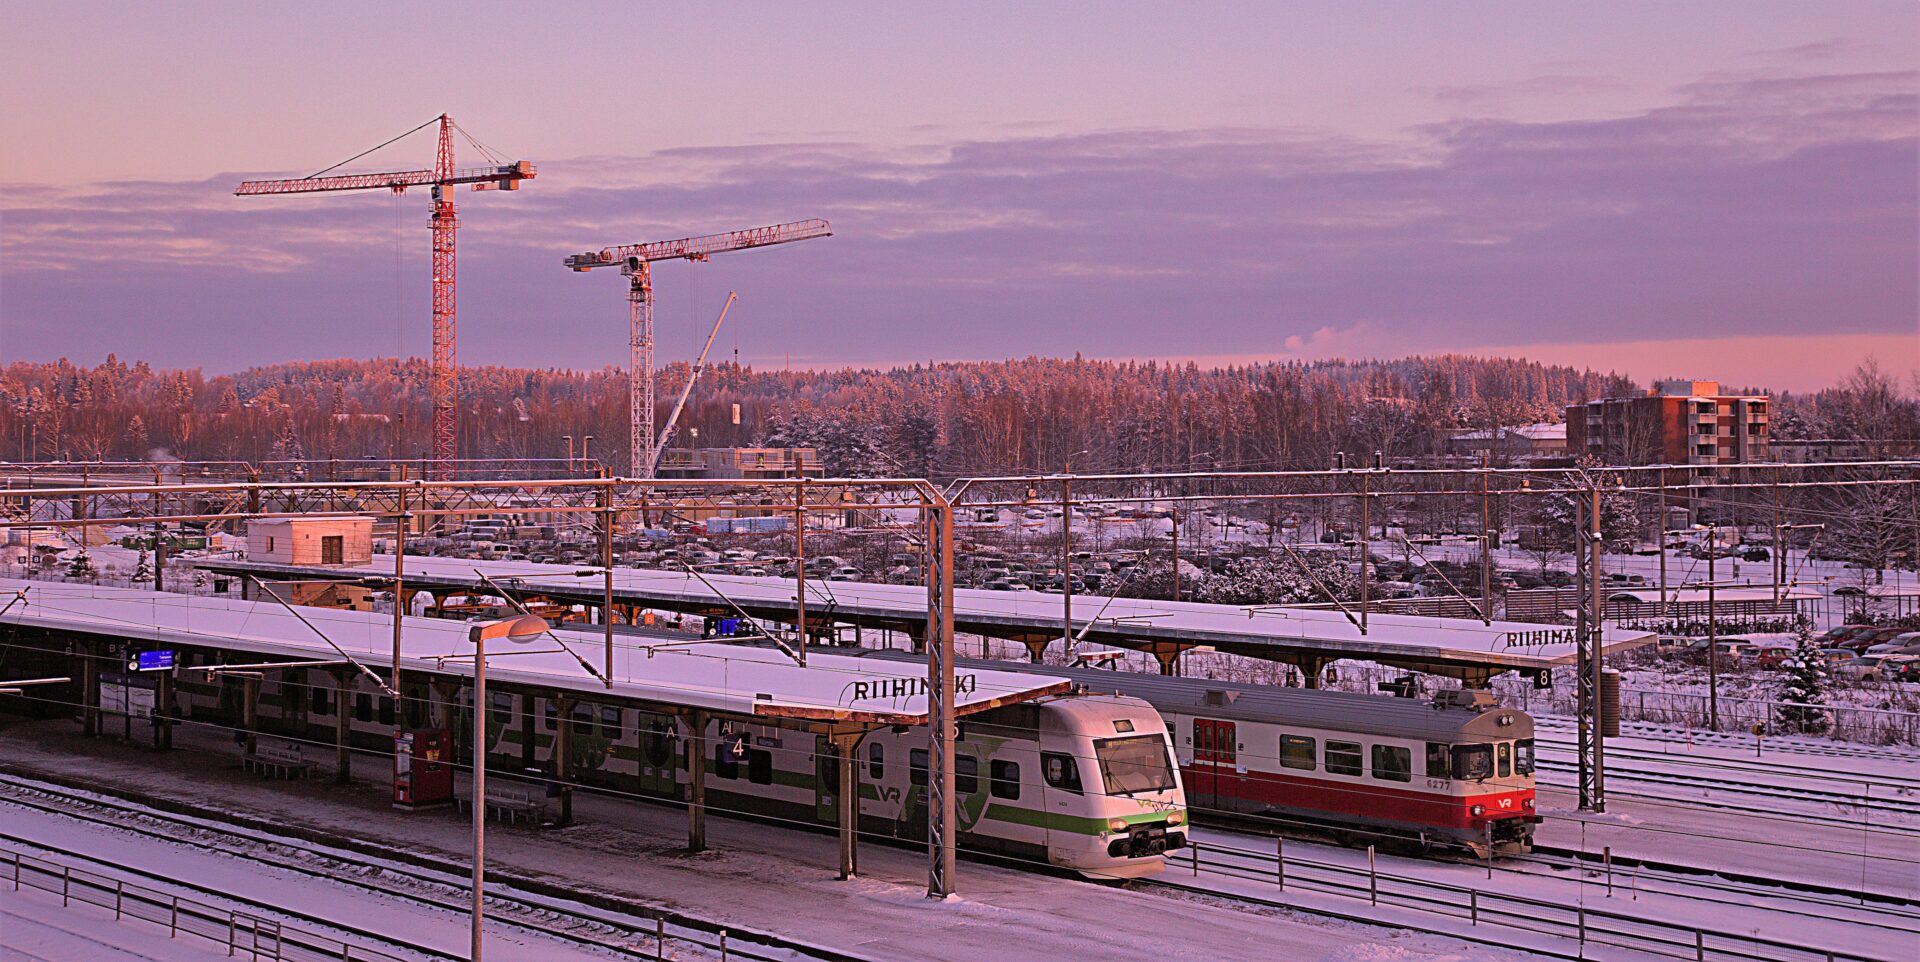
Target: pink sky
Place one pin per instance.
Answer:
(1715, 189)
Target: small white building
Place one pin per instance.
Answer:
(310, 541)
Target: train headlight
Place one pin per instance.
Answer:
(1117, 824)
(1176, 818)
(1527, 803)
(1478, 810)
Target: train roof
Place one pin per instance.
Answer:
(1244, 701)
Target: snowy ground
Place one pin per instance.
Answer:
(758, 876)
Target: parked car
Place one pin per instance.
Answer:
(1861, 668)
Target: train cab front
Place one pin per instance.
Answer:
(1127, 793)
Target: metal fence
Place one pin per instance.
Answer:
(245, 935)
(1586, 926)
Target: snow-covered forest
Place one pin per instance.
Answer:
(934, 420)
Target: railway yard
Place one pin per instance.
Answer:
(1722, 846)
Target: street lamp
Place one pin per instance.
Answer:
(517, 630)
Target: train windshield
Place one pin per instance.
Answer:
(1472, 761)
(1136, 764)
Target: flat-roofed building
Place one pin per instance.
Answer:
(1680, 421)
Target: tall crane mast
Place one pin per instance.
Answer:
(633, 261)
(442, 178)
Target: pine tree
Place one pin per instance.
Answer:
(143, 571)
(1803, 688)
(81, 566)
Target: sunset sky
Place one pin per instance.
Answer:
(1711, 189)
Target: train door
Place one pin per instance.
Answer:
(1215, 755)
(826, 780)
(659, 758)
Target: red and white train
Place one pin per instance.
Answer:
(1450, 772)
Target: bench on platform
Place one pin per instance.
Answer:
(276, 759)
(513, 801)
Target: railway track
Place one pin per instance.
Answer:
(1851, 803)
(1231, 870)
(540, 908)
(1735, 740)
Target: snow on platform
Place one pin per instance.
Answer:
(734, 679)
(1442, 645)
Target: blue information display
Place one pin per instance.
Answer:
(153, 661)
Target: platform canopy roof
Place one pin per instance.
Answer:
(1458, 647)
(712, 676)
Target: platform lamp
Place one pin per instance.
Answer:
(517, 630)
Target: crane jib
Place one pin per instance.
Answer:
(392, 180)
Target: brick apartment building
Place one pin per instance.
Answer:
(1678, 422)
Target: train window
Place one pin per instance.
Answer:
(321, 703)
(1472, 761)
(1343, 758)
(1297, 751)
(1393, 763)
(500, 704)
(582, 718)
(966, 774)
(610, 722)
(760, 766)
(386, 709)
(363, 706)
(1061, 770)
(726, 762)
(917, 767)
(1523, 757)
(552, 715)
(1503, 755)
(1437, 760)
(1004, 779)
(876, 761)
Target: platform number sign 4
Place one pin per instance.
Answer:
(151, 661)
(736, 745)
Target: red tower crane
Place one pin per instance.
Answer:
(633, 260)
(444, 175)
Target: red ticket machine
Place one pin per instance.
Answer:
(422, 775)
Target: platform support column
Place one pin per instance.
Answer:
(1036, 650)
(249, 712)
(89, 688)
(342, 726)
(940, 697)
(849, 799)
(696, 781)
(1169, 658)
(1310, 671)
(563, 757)
(163, 711)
